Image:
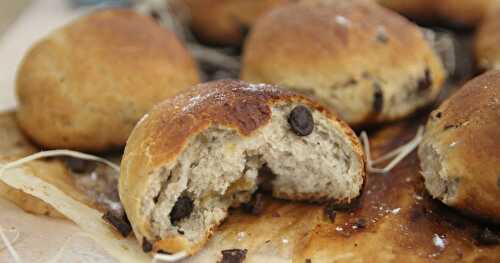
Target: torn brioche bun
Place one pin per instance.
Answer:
(460, 151)
(487, 50)
(85, 86)
(194, 156)
(226, 22)
(367, 63)
(460, 13)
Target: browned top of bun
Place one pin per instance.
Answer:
(86, 85)
(466, 128)
(228, 103)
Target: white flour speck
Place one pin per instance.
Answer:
(341, 20)
(395, 211)
(439, 242)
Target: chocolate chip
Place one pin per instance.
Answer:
(378, 98)
(255, 206)
(155, 15)
(439, 115)
(146, 245)
(360, 223)
(330, 212)
(308, 260)
(180, 231)
(301, 121)
(183, 208)
(80, 166)
(233, 255)
(426, 82)
(119, 223)
(486, 237)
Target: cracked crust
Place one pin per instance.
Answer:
(85, 86)
(165, 133)
(460, 154)
(367, 63)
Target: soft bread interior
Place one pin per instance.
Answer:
(437, 179)
(219, 169)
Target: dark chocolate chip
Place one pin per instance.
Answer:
(301, 121)
(308, 260)
(163, 252)
(155, 15)
(378, 98)
(183, 208)
(255, 206)
(439, 115)
(233, 255)
(487, 237)
(330, 212)
(80, 166)
(180, 231)
(426, 82)
(146, 245)
(360, 223)
(119, 223)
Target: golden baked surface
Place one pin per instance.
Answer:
(226, 21)
(367, 63)
(163, 133)
(486, 46)
(86, 85)
(455, 12)
(465, 131)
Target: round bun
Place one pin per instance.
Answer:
(455, 12)
(86, 85)
(460, 152)
(487, 50)
(226, 22)
(194, 156)
(369, 64)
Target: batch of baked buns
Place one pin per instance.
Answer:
(201, 147)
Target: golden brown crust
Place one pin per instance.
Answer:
(165, 131)
(456, 12)
(342, 51)
(85, 86)
(487, 38)
(225, 22)
(466, 130)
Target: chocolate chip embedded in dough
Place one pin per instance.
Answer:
(378, 98)
(146, 245)
(425, 82)
(183, 208)
(233, 255)
(301, 121)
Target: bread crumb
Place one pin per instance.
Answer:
(439, 242)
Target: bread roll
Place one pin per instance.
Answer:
(194, 156)
(85, 85)
(226, 22)
(487, 50)
(460, 152)
(456, 12)
(369, 64)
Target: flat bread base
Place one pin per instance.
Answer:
(395, 220)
